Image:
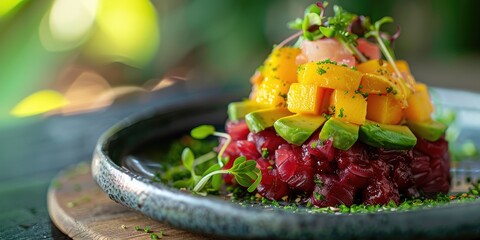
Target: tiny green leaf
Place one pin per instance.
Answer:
(184, 183)
(243, 180)
(188, 159)
(203, 131)
(257, 181)
(328, 31)
(217, 181)
(295, 24)
(313, 8)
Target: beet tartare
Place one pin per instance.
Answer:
(330, 120)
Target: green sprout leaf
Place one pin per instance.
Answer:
(188, 159)
(327, 31)
(243, 170)
(203, 131)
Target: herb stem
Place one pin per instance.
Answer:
(228, 139)
(287, 40)
(204, 158)
(207, 177)
(353, 50)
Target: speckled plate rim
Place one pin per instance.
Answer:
(212, 215)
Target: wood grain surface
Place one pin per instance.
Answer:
(80, 209)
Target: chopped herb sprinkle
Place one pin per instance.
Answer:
(321, 71)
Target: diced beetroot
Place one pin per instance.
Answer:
(393, 156)
(271, 187)
(381, 169)
(266, 139)
(323, 150)
(361, 174)
(294, 169)
(238, 130)
(380, 191)
(420, 167)
(247, 149)
(330, 192)
(323, 166)
(356, 175)
(436, 181)
(432, 149)
(402, 176)
(356, 154)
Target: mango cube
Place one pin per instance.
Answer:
(384, 109)
(328, 75)
(281, 64)
(348, 106)
(305, 98)
(374, 66)
(272, 92)
(419, 105)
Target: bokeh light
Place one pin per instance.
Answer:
(39, 102)
(127, 31)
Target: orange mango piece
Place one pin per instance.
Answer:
(419, 105)
(379, 84)
(329, 75)
(255, 80)
(376, 66)
(384, 109)
(272, 92)
(305, 98)
(281, 64)
(348, 106)
(402, 66)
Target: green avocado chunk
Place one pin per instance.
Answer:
(387, 136)
(431, 130)
(261, 119)
(238, 110)
(344, 134)
(296, 129)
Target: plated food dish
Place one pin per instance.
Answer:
(129, 155)
(331, 138)
(330, 122)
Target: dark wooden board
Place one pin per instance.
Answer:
(80, 209)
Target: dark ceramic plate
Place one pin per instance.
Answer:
(125, 174)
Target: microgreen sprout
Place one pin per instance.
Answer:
(314, 27)
(203, 131)
(244, 171)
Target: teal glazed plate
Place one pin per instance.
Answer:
(124, 171)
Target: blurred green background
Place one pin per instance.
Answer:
(73, 56)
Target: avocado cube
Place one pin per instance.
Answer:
(387, 136)
(261, 119)
(343, 134)
(238, 110)
(431, 130)
(296, 129)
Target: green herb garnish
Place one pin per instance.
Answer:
(203, 131)
(244, 171)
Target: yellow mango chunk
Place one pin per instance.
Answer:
(255, 80)
(376, 66)
(281, 64)
(303, 98)
(348, 106)
(379, 84)
(402, 66)
(419, 105)
(329, 75)
(384, 109)
(272, 92)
